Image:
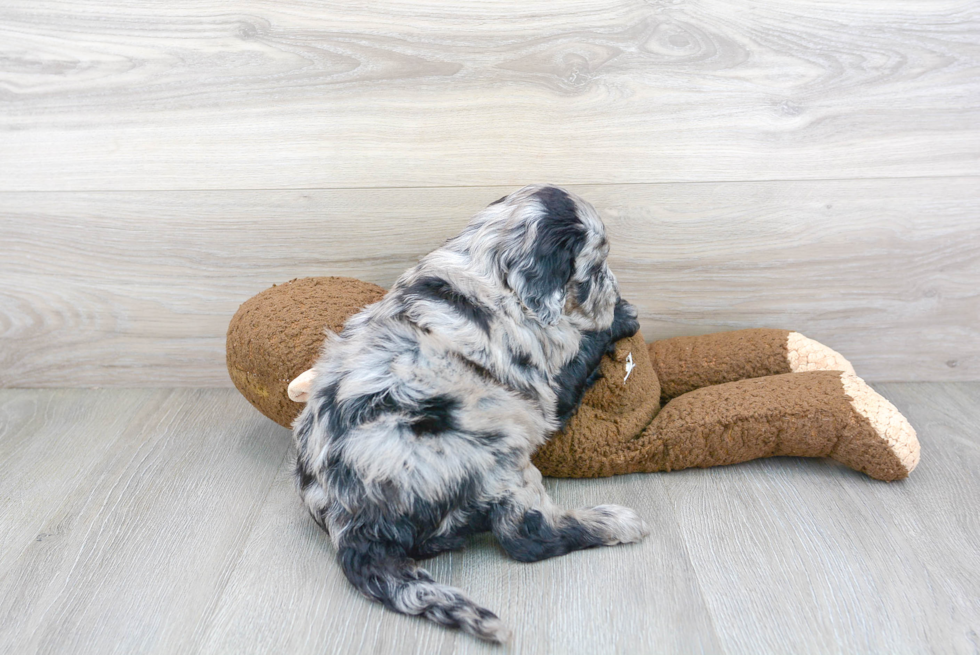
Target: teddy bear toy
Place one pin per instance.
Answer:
(672, 404)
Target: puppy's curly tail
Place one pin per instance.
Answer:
(385, 574)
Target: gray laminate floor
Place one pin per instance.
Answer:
(165, 521)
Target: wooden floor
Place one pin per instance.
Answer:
(165, 521)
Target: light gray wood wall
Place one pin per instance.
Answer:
(809, 165)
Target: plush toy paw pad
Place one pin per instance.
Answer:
(805, 354)
(893, 428)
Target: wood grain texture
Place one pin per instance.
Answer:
(46, 458)
(180, 532)
(134, 550)
(300, 94)
(137, 288)
(940, 515)
(300, 602)
(853, 565)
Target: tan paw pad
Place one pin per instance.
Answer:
(805, 354)
(893, 428)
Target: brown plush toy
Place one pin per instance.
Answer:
(728, 397)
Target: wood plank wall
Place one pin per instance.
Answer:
(800, 164)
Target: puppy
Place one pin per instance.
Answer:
(423, 413)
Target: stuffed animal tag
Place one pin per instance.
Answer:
(629, 366)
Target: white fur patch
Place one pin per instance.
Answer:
(617, 524)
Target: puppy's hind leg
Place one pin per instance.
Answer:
(531, 528)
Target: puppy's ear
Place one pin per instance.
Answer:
(542, 272)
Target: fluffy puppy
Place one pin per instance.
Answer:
(423, 413)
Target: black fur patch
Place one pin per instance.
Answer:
(498, 201)
(624, 322)
(462, 496)
(303, 429)
(365, 408)
(579, 374)
(560, 237)
(304, 477)
(324, 398)
(485, 374)
(436, 545)
(592, 277)
(342, 416)
(374, 568)
(522, 360)
(411, 532)
(584, 290)
(537, 540)
(434, 415)
(558, 204)
(342, 478)
(433, 288)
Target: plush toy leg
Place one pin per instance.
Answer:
(815, 414)
(688, 363)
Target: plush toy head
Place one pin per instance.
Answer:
(277, 335)
(730, 397)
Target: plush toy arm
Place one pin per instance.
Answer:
(687, 363)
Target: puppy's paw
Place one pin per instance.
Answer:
(625, 323)
(494, 630)
(615, 524)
